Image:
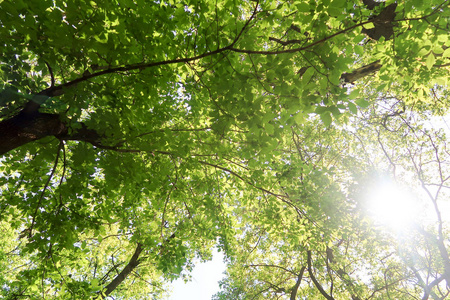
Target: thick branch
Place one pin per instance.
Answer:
(297, 284)
(83, 134)
(428, 288)
(361, 72)
(314, 280)
(371, 4)
(132, 264)
(30, 125)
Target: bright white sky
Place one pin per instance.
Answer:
(398, 208)
(393, 205)
(205, 281)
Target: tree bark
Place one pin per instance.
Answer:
(361, 72)
(132, 264)
(314, 280)
(371, 4)
(297, 284)
(383, 23)
(28, 126)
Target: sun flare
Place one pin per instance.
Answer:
(392, 205)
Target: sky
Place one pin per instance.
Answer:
(205, 281)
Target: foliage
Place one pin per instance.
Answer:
(337, 249)
(137, 135)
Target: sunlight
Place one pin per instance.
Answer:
(392, 205)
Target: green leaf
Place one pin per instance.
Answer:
(369, 25)
(430, 61)
(446, 53)
(338, 3)
(363, 103)
(326, 118)
(359, 50)
(352, 107)
(354, 94)
(269, 128)
(303, 7)
(359, 38)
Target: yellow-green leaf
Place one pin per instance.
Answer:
(430, 61)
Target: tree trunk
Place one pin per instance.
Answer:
(27, 127)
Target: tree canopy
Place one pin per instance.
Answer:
(136, 136)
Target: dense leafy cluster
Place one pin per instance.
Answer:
(138, 135)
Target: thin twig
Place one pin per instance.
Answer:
(43, 190)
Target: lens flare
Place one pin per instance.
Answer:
(392, 205)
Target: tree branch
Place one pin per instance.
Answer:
(297, 284)
(442, 251)
(54, 91)
(30, 125)
(314, 280)
(293, 50)
(428, 288)
(30, 230)
(132, 264)
(361, 72)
